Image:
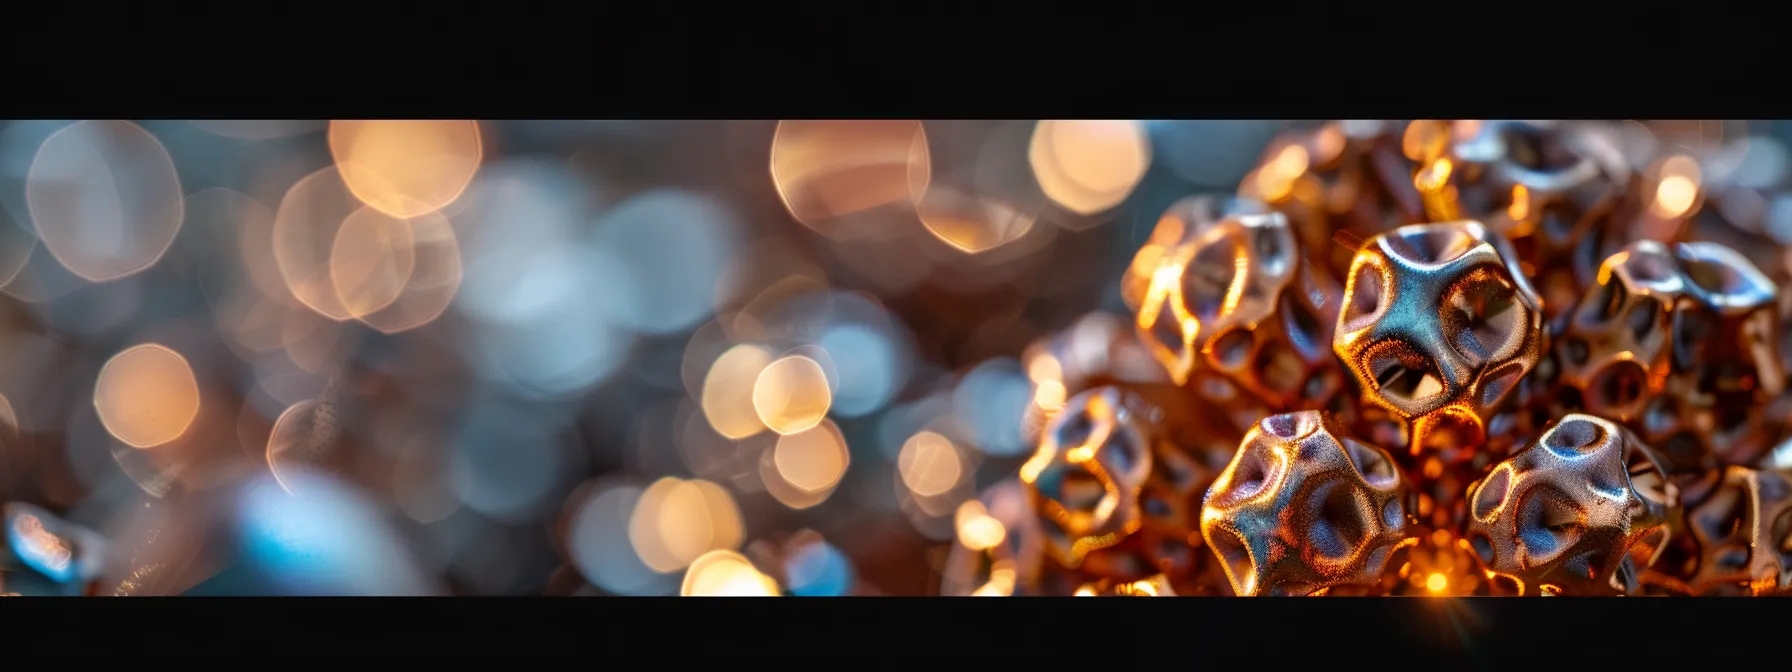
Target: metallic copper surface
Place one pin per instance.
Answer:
(1095, 350)
(1735, 540)
(1581, 512)
(1183, 448)
(1303, 509)
(1085, 479)
(1679, 341)
(1438, 326)
(1234, 314)
(1547, 186)
(1338, 184)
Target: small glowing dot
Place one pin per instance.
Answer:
(792, 394)
(1436, 583)
(146, 396)
(929, 464)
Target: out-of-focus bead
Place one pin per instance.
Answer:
(1548, 187)
(1438, 325)
(1735, 539)
(1234, 314)
(1679, 341)
(1303, 510)
(997, 548)
(1338, 184)
(1117, 483)
(1097, 349)
(1085, 479)
(1581, 512)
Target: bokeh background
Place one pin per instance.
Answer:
(571, 357)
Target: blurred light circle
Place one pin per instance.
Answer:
(1087, 165)
(406, 167)
(306, 226)
(992, 400)
(146, 395)
(972, 223)
(1764, 163)
(813, 460)
(817, 569)
(676, 521)
(434, 279)
(792, 394)
(371, 261)
(517, 242)
(930, 465)
(870, 368)
(303, 434)
(105, 198)
(551, 356)
(19, 143)
(978, 530)
(848, 179)
(676, 247)
(335, 541)
(598, 541)
(727, 574)
(728, 391)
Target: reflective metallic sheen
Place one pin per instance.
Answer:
(1235, 314)
(1736, 539)
(1581, 512)
(1303, 509)
(1085, 479)
(1438, 325)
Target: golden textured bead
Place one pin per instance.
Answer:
(1580, 512)
(1438, 325)
(1302, 509)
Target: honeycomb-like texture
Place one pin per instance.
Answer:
(1233, 313)
(1437, 327)
(1304, 510)
(1581, 512)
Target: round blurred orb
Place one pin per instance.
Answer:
(992, 400)
(146, 396)
(105, 198)
(598, 541)
(727, 574)
(817, 569)
(332, 542)
(406, 167)
(869, 367)
(1089, 165)
(675, 246)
